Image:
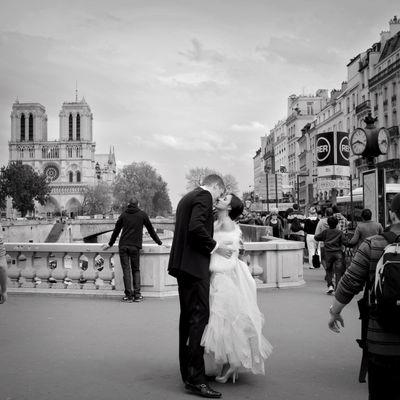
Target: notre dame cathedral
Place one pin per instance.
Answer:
(70, 163)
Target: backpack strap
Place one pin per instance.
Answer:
(391, 237)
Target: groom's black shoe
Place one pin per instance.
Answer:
(203, 390)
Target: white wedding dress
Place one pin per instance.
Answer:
(234, 331)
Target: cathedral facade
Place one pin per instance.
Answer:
(70, 163)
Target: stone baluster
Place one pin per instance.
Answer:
(14, 269)
(106, 274)
(254, 264)
(59, 273)
(74, 272)
(43, 272)
(90, 275)
(27, 272)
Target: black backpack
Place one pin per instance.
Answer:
(295, 225)
(385, 294)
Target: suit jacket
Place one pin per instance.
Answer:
(194, 228)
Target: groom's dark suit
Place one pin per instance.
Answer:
(189, 262)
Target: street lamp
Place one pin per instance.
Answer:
(298, 185)
(266, 170)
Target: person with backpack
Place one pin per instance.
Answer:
(376, 265)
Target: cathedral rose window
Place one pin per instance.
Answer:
(52, 172)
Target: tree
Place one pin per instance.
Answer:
(196, 175)
(97, 199)
(24, 185)
(142, 181)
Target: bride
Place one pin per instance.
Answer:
(233, 339)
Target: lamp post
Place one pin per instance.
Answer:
(298, 186)
(266, 170)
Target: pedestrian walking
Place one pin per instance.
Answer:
(334, 239)
(310, 225)
(321, 226)
(275, 223)
(131, 222)
(382, 342)
(365, 229)
(3, 269)
(296, 224)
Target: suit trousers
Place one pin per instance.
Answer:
(130, 263)
(195, 310)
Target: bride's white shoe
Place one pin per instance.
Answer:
(230, 373)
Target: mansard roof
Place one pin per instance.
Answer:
(391, 46)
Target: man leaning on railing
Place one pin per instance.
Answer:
(3, 269)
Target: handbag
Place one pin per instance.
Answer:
(316, 263)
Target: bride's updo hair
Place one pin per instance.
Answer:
(236, 207)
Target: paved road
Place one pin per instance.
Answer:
(77, 348)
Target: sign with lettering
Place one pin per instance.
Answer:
(325, 149)
(328, 184)
(343, 148)
(332, 153)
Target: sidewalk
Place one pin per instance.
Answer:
(58, 348)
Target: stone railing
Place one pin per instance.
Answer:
(87, 269)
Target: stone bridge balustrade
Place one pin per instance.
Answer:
(88, 269)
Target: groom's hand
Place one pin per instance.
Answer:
(224, 251)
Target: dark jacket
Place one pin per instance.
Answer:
(131, 222)
(194, 228)
(333, 239)
(310, 225)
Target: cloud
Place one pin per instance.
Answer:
(191, 79)
(209, 142)
(199, 54)
(292, 50)
(251, 126)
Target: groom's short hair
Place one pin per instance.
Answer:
(213, 179)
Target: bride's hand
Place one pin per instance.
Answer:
(224, 251)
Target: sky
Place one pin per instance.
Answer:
(179, 83)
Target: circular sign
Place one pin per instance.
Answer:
(51, 172)
(344, 148)
(323, 149)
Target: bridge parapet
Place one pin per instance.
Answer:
(87, 269)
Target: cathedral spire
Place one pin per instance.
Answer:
(76, 91)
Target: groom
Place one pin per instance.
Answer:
(189, 262)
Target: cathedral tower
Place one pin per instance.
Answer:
(28, 122)
(76, 122)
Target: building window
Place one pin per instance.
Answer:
(69, 151)
(78, 127)
(31, 152)
(30, 127)
(394, 118)
(70, 122)
(78, 176)
(310, 108)
(22, 128)
(71, 176)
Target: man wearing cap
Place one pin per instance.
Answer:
(383, 347)
(131, 222)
